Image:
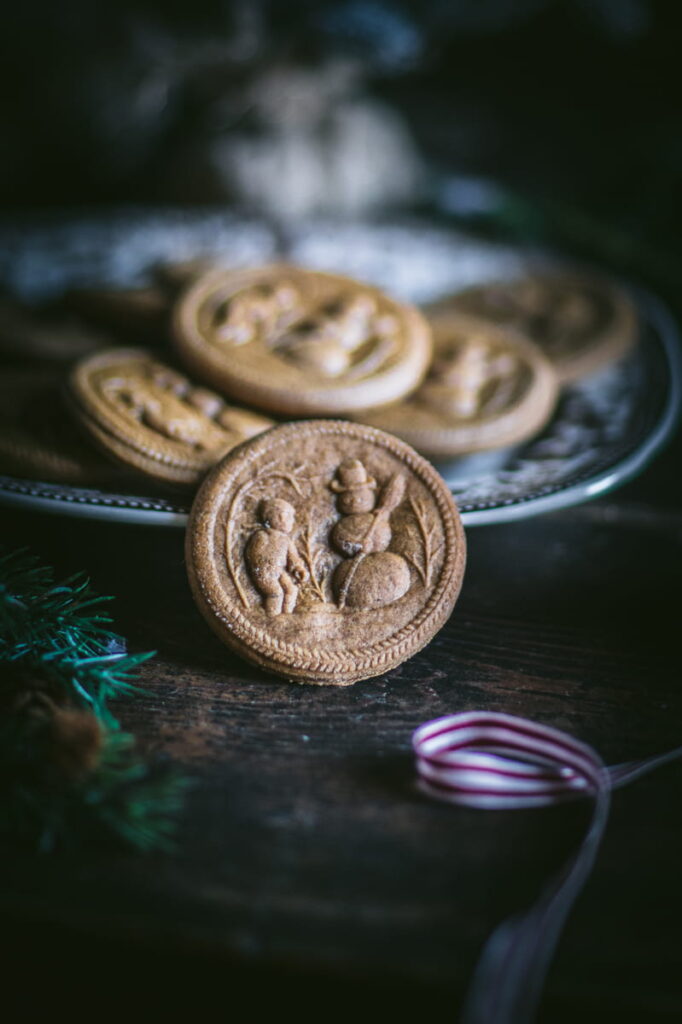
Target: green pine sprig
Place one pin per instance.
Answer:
(123, 798)
(63, 664)
(36, 611)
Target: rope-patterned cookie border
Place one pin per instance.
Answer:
(112, 428)
(390, 649)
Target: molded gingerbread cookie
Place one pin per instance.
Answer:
(300, 342)
(580, 321)
(150, 416)
(325, 551)
(486, 387)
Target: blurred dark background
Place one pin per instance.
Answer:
(569, 103)
(550, 120)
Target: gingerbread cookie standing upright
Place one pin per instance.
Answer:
(325, 551)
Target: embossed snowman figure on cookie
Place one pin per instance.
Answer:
(371, 576)
(347, 336)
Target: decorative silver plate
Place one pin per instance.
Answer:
(605, 429)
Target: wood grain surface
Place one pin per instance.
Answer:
(310, 875)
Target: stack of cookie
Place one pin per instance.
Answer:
(479, 370)
(502, 352)
(323, 549)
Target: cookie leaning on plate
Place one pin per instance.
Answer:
(581, 321)
(148, 415)
(486, 387)
(300, 342)
(325, 551)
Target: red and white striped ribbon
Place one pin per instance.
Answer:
(494, 761)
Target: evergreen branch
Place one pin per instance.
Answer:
(19, 569)
(43, 623)
(97, 680)
(132, 801)
(67, 774)
(121, 799)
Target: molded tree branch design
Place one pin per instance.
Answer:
(314, 562)
(426, 536)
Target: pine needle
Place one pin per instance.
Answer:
(58, 632)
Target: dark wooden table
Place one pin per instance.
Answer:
(311, 876)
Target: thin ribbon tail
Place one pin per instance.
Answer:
(507, 984)
(490, 760)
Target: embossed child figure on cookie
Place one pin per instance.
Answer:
(371, 576)
(274, 564)
(169, 404)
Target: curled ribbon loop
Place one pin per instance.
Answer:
(491, 760)
(494, 761)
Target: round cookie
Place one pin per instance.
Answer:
(300, 342)
(486, 387)
(325, 551)
(149, 416)
(38, 439)
(581, 322)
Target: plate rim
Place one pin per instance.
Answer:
(626, 468)
(657, 313)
